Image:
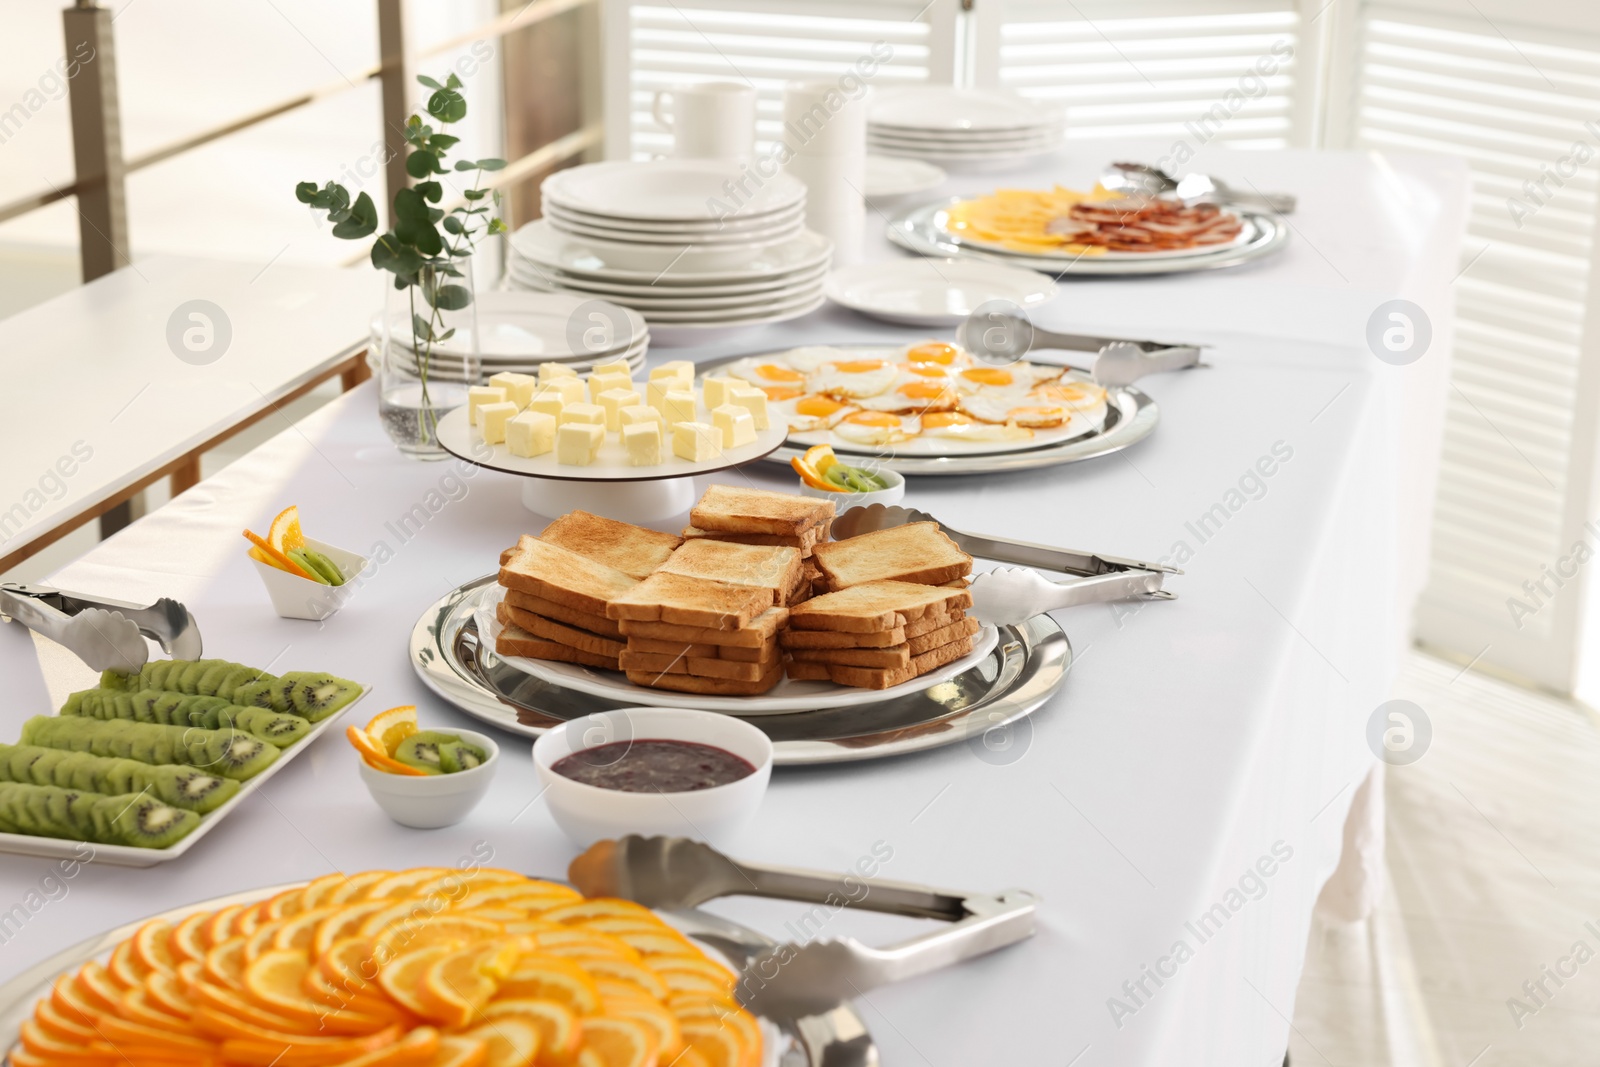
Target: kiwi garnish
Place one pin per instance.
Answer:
(421, 750)
(458, 755)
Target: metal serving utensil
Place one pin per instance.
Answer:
(858, 520)
(108, 635)
(1006, 334)
(1012, 594)
(1141, 179)
(796, 980)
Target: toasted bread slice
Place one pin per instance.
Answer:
(761, 630)
(515, 641)
(633, 550)
(916, 552)
(733, 509)
(550, 630)
(875, 607)
(892, 658)
(583, 620)
(557, 574)
(876, 677)
(774, 568)
(684, 601)
(733, 670)
(766, 653)
(694, 683)
(815, 639)
(653, 662)
(932, 621)
(943, 636)
(805, 542)
(670, 648)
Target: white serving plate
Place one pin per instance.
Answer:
(657, 302)
(945, 107)
(460, 438)
(665, 190)
(965, 150)
(724, 240)
(787, 696)
(808, 296)
(733, 224)
(889, 177)
(934, 292)
(1245, 235)
(130, 856)
(541, 243)
(577, 282)
(964, 142)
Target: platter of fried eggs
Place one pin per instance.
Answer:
(924, 399)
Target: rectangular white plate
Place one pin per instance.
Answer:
(130, 856)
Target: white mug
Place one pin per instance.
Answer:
(708, 120)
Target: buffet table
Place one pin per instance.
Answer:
(1178, 805)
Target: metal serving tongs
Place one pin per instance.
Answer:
(1011, 595)
(108, 635)
(790, 980)
(1004, 334)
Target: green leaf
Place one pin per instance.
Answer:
(492, 164)
(442, 141)
(476, 194)
(447, 105)
(435, 214)
(498, 226)
(452, 82)
(421, 163)
(431, 191)
(466, 164)
(421, 235)
(452, 297)
(451, 332)
(410, 206)
(429, 82)
(360, 220)
(448, 269)
(305, 192)
(402, 282)
(421, 328)
(452, 225)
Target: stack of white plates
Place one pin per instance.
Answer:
(971, 127)
(517, 331)
(670, 251)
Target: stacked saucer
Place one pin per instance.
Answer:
(972, 127)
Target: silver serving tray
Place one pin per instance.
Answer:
(838, 1038)
(918, 231)
(1026, 668)
(1131, 416)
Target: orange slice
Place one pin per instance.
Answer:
(234, 1004)
(152, 947)
(587, 910)
(508, 1042)
(39, 1041)
(402, 977)
(391, 727)
(154, 1043)
(722, 1046)
(820, 458)
(137, 1007)
(317, 891)
(276, 558)
(245, 922)
(552, 978)
(655, 944)
(261, 939)
(188, 938)
(458, 984)
(419, 1048)
(685, 974)
(288, 903)
(558, 1026)
(568, 941)
(375, 755)
(717, 1013)
(810, 475)
(225, 964)
(662, 1023)
(284, 534)
(124, 968)
(300, 930)
(345, 922)
(99, 987)
(56, 1022)
(620, 1042)
(364, 999)
(402, 884)
(460, 1052)
(440, 930)
(219, 926)
(619, 970)
(276, 982)
(166, 993)
(355, 887)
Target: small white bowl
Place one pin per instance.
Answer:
(842, 501)
(294, 597)
(430, 801)
(588, 813)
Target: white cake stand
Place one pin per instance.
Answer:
(609, 486)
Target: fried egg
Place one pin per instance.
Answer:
(953, 424)
(1012, 375)
(1020, 409)
(768, 371)
(1072, 392)
(913, 393)
(809, 357)
(875, 428)
(810, 412)
(852, 378)
(934, 352)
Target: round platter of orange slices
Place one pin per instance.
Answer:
(432, 967)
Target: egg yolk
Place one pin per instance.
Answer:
(945, 418)
(774, 373)
(1068, 393)
(1037, 413)
(859, 366)
(873, 418)
(922, 390)
(926, 370)
(987, 375)
(932, 353)
(776, 393)
(817, 405)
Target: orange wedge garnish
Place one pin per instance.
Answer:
(620, 1042)
(552, 978)
(558, 1026)
(391, 727)
(284, 533)
(375, 756)
(276, 558)
(508, 1042)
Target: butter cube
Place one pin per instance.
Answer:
(530, 434)
(696, 441)
(519, 387)
(548, 402)
(752, 400)
(492, 419)
(549, 372)
(593, 414)
(616, 366)
(640, 413)
(678, 406)
(656, 390)
(577, 442)
(643, 442)
(478, 396)
(614, 400)
(718, 390)
(572, 390)
(737, 427)
(605, 383)
(681, 369)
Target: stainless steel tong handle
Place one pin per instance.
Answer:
(1006, 334)
(1011, 595)
(106, 634)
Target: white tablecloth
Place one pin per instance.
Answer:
(1178, 806)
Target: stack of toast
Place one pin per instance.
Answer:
(916, 552)
(759, 517)
(878, 634)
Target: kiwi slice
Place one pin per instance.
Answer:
(277, 727)
(324, 567)
(421, 750)
(261, 693)
(154, 674)
(116, 680)
(213, 677)
(317, 696)
(232, 754)
(459, 755)
(146, 822)
(187, 678)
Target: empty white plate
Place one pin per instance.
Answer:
(888, 177)
(945, 107)
(543, 244)
(934, 292)
(668, 189)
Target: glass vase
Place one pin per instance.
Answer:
(428, 357)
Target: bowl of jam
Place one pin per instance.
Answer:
(666, 771)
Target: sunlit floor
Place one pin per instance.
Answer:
(1493, 882)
